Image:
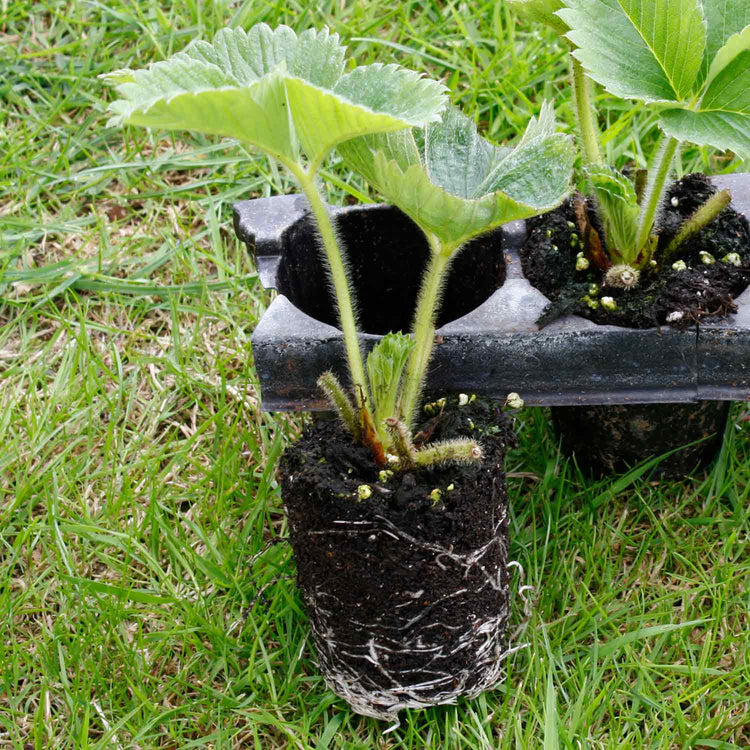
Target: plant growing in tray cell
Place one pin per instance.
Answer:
(686, 60)
(454, 185)
(290, 96)
(406, 609)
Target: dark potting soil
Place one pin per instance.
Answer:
(609, 439)
(407, 596)
(699, 292)
(387, 255)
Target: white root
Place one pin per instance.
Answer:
(413, 656)
(486, 645)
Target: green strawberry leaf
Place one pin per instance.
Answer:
(181, 94)
(385, 369)
(725, 18)
(735, 45)
(639, 49)
(315, 55)
(457, 158)
(722, 130)
(723, 120)
(372, 99)
(274, 90)
(466, 186)
(729, 90)
(233, 87)
(400, 146)
(541, 11)
(530, 172)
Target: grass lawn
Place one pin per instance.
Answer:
(137, 488)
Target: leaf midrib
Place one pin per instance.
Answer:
(653, 52)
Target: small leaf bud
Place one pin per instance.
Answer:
(571, 225)
(706, 258)
(514, 401)
(436, 494)
(732, 258)
(434, 406)
(679, 265)
(451, 487)
(582, 263)
(548, 233)
(608, 303)
(392, 459)
(364, 491)
(463, 399)
(594, 289)
(384, 475)
(593, 304)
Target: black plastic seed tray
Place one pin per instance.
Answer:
(496, 348)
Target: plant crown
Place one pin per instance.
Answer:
(290, 96)
(686, 60)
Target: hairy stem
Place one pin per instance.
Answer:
(401, 443)
(654, 193)
(424, 328)
(703, 216)
(585, 114)
(341, 403)
(341, 288)
(461, 451)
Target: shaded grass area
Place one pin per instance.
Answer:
(144, 599)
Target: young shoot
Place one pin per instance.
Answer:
(456, 186)
(289, 96)
(689, 62)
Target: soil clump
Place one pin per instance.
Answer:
(407, 590)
